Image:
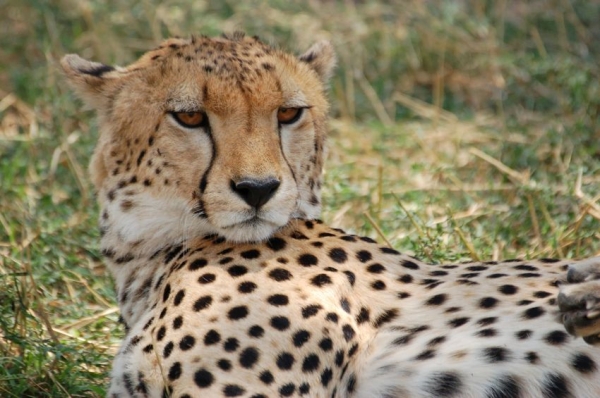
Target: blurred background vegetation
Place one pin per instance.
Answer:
(460, 129)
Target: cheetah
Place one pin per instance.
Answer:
(208, 174)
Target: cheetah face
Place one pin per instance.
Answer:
(207, 135)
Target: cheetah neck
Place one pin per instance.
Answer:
(133, 237)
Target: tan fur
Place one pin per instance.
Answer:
(223, 297)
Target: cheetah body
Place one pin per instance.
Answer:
(232, 291)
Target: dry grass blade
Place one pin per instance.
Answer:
(521, 178)
(534, 219)
(424, 109)
(463, 238)
(378, 229)
(592, 203)
(410, 217)
(376, 103)
(80, 323)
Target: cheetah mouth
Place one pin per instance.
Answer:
(253, 229)
(252, 222)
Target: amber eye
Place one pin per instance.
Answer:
(289, 115)
(190, 119)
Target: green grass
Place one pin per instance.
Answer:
(461, 129)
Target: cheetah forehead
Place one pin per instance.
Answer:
(182, 73)
(227, 58)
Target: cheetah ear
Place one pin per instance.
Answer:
(321, 58)
(92, 81)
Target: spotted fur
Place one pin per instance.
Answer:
(227, 296)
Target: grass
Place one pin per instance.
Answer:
(461, 129)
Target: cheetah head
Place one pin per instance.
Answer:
(207, 135)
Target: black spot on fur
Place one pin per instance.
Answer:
(237, 313)
(224, 364)
(523, 334)
(278, 300)
(246, 287)
(386, 317)
(541, 294)
(175, 371)
(444, 384)
(280, 274)
(508, 289)
(427, 354)
(308, 260)
(203, 378)
(496, 354)
(286, 390)
(326, 377)
(207, 278)
(363, 316)
(389, 250)
(232, 390)
(202, 303)
(250, 254)
(351, 277)
(249, 357)
(378, 285)
(332, 317)
(532, 357)
(533, 312)
(266, 377)
(456, 322)
(280, 323)
(409, 264)
(321, 280)
(310, 310)
(326, 344)
(178, 297)
(338, 255)
(488, 302)
(187, 342)
(583, 363)
(556, 386)
(310, 363)
(300, 338)
(212, 337)
(285, 361)
(556, 337)
(505, 387)
(438, 299)
(276, 244)
(349, 332)
(487, 321)
(237, 270)
(363, 256)
(375, 268)
(231, 344)
(487, 332)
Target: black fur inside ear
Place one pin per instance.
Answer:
(74, 64)
(98, 70)
(321, 58)
(92, 81)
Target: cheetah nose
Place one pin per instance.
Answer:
(256, 192)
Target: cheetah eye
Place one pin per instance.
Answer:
(289, 115)
(190, 119)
